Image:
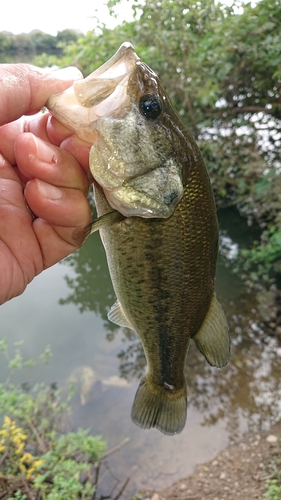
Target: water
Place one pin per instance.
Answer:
(66, 307)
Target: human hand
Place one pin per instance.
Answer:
(36, 173)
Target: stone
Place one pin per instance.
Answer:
(272, 438)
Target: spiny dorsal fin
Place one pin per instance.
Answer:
(117, 315)
(212, 339)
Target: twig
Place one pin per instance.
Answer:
(4, 456)
(122, 489)
(38, 495)
(96, 480)
(116, 448)
(101, 461)
(274, 475)
(28, 490)
(40, 441)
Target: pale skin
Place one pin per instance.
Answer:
(44, 178)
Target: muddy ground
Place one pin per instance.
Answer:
(238, 472)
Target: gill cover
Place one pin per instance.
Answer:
(110, 108)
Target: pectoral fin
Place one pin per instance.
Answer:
(117, 315)
(212, 339)
(103, 221)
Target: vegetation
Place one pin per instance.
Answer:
(273, 482)
(221, 67)
(38, 459)
(37, 41)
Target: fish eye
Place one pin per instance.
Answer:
(150, 106)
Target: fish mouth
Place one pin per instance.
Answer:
(98, 95)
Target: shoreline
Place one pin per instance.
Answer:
(239, 472)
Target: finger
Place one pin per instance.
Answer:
(56, 131)
(65, 207)
(25, 88)
(53, 247)
(62, 136)
(63, 216)
(9, 133)
(38, 159)
(80, 150)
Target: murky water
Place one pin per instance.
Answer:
(67, 306)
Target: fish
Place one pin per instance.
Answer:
(158, 224)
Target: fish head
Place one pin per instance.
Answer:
(122, 109)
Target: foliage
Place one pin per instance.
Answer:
(36, 41)
(6, 43)
(221, 67)
(36, 457)
(273, 484)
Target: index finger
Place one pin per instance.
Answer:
(26, 88)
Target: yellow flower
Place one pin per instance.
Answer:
(4, 433)
(29, 473)
(37, 463)
(7, 421)
(19, 439)
(32, 469)
(22, 467)
(20, 448)
(27, 457)
(2, 448)
(15, 431)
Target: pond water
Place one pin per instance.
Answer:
(66, 307)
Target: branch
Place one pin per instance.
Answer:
(116, 448)
(122, 489)
(40, 441)
(4, 456)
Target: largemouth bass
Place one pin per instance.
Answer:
(158, 224)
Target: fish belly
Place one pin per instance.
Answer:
(163, 276)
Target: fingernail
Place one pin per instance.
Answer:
(48, 191)
(45, 152)
(69, 73)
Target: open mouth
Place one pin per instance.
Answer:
(100, 94)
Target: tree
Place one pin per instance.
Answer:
(221, 67)
(43, 42)
(66, 36)
(7, 43)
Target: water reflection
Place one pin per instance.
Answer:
(246, 395)
(91, 288)
(247, 391)
(66, 307)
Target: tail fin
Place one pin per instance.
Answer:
(155, 406)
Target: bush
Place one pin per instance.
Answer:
(37, 458)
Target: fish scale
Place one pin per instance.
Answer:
(158, 224)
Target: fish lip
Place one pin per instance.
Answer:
(81, 105)
(107, 77)
(125, 50)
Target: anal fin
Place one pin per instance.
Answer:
(117, 315)
(212, 339)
